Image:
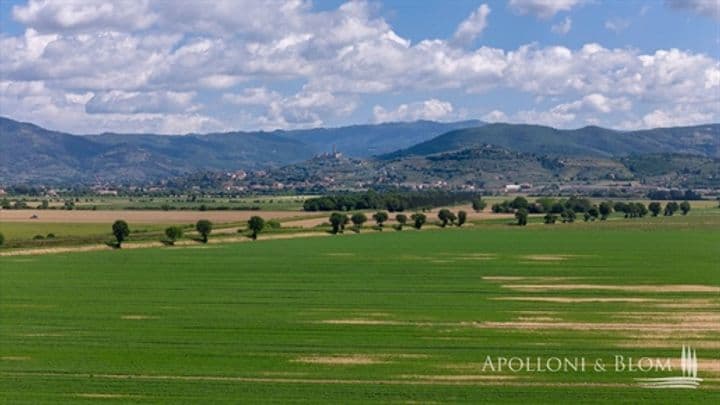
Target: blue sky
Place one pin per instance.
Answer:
(89, 66)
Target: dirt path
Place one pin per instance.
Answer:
(158, 244)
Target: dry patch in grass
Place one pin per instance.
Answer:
(284, 373)
(567, 300)
(600, 326)
(633, 288)
(690, 304)
(671, 316)
(15, 358)
(669, 344)
(137, 317)
(363, 321)
(537, 319)
(549, 258)
(100, 396)
(28, 306)
(355, 359)
(461, 377)
(530, 278)
(41, 335)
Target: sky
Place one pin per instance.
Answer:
(181, 66)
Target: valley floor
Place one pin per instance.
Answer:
(390, 317)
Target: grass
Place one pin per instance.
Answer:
(22, 234)
(249, 322)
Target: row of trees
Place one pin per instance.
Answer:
(605, 208)
(390, 201)
(121, 230)
(339, 220)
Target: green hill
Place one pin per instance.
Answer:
(701, 140)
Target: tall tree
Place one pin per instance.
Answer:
(655, 208)
(380, 217)
(401, 220)
(418, 220)
(256, 225)
(444, 215)
(121, 231)
(338, 222)
(605, 209)
(685, 207)
(204, 227)
(461, 218)
(671, 208)
(521, 215)
(358, 219)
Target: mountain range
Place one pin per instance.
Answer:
(31, 154)
(412, 152)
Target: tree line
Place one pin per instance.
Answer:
(391, 201)
(256, 224)
(568, 209)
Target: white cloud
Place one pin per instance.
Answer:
(595, 103)
(432, 109)
(220, 81)
(335, 57)
(473, 26)
(46, 15)
(118, 101)
(709, 8)
(563, 27)
(678, 115)
(34, 102)
(252, 96)
(553, 117)
(303, 109)
(543, 8)
(495, 116)
(617, 25)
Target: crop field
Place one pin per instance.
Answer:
(391, 317)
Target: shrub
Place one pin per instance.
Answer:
(550, 218)
(273, 224)
(173, 233)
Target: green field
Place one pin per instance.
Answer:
(391, 317)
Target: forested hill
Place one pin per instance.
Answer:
(29, 153)
(703, 140)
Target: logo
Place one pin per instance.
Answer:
(689, 378)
